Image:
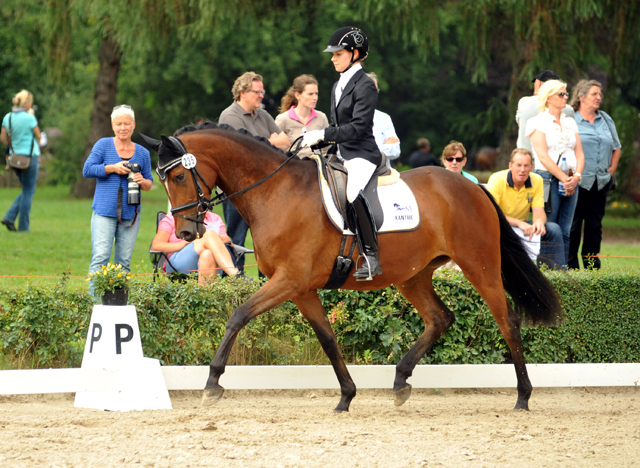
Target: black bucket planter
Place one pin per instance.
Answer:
(117, 297)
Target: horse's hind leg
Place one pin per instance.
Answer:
(489, 285)
(437, 319)
(312, 309)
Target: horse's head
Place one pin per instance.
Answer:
(187, 190)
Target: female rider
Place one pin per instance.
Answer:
(353, 103)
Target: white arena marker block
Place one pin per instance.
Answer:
(113, 343)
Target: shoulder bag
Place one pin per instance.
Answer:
(19, 161)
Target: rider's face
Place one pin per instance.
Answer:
(341, 59)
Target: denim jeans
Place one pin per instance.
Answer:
(562, 209)
(22, 204)
(104, 231)
(237, 227)
(552, 247)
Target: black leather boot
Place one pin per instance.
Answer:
(367, 239)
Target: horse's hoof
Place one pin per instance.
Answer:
(339, 410)
(402, 395)
(211, 396)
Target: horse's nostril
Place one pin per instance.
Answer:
(187, 235)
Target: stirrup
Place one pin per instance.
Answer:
(365, 269)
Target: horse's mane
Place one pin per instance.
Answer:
(207, 124)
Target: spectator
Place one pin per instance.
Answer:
(601, 147)
(518, 192)
(298, 111)
(423, 157)
(204, 255)
(21, 127)
(454, 158)
(245, 112)
(114, 220)
(554, 137)
(384, 132)
(528, 107)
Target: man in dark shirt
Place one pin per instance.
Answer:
(423, 157)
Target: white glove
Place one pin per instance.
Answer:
(313, 137)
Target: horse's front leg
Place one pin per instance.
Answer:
(312, 309)
(273, 293)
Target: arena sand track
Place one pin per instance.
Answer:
(453, 428)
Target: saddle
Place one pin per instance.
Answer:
(335, 174)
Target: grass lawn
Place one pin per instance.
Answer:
(61, 237)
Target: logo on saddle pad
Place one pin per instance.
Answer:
(402, 213)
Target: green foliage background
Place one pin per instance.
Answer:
(448, 70)
(182, 324)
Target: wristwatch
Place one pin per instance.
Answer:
(578, 175)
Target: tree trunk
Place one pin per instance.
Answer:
(104, 99)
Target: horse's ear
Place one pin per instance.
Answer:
(151, 142)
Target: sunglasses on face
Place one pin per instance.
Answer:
(261, 93)
(451, 159)
(563, 95)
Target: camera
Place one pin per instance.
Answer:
(133, 189)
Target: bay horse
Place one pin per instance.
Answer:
(296, 246)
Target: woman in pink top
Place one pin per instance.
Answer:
(298, 110)
(205, 255)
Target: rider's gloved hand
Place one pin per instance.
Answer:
(312, 137)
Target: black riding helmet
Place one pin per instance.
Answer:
(349, 38)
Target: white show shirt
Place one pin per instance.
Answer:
(561, 139)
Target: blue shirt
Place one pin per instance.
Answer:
(22, 137)
(105, 198)
(472, 178)
(599, 141)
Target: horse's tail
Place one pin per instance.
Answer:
(532, 293)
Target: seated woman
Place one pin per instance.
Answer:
(205, 255)
(454, 157)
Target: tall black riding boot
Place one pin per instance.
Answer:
(367, 239)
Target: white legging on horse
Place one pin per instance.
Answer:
(359, 173)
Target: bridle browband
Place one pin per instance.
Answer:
(203, 203)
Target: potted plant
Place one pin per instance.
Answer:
(111, 283)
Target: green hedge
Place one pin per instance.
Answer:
(182, 324)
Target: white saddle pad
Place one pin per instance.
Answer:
(398, 203)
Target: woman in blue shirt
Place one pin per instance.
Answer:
(25, 135)
(601, 147)
(114, 219)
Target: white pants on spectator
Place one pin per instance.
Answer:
(532, 246)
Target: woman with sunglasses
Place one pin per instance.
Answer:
(117, 163)
(554, 137)
(454, 158)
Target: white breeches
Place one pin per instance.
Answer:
(359, 173)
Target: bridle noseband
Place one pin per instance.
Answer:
(203, 203)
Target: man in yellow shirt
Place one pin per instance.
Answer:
(518, 192)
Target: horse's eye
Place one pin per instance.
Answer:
(179, 178)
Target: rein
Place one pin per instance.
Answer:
(204, 204)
